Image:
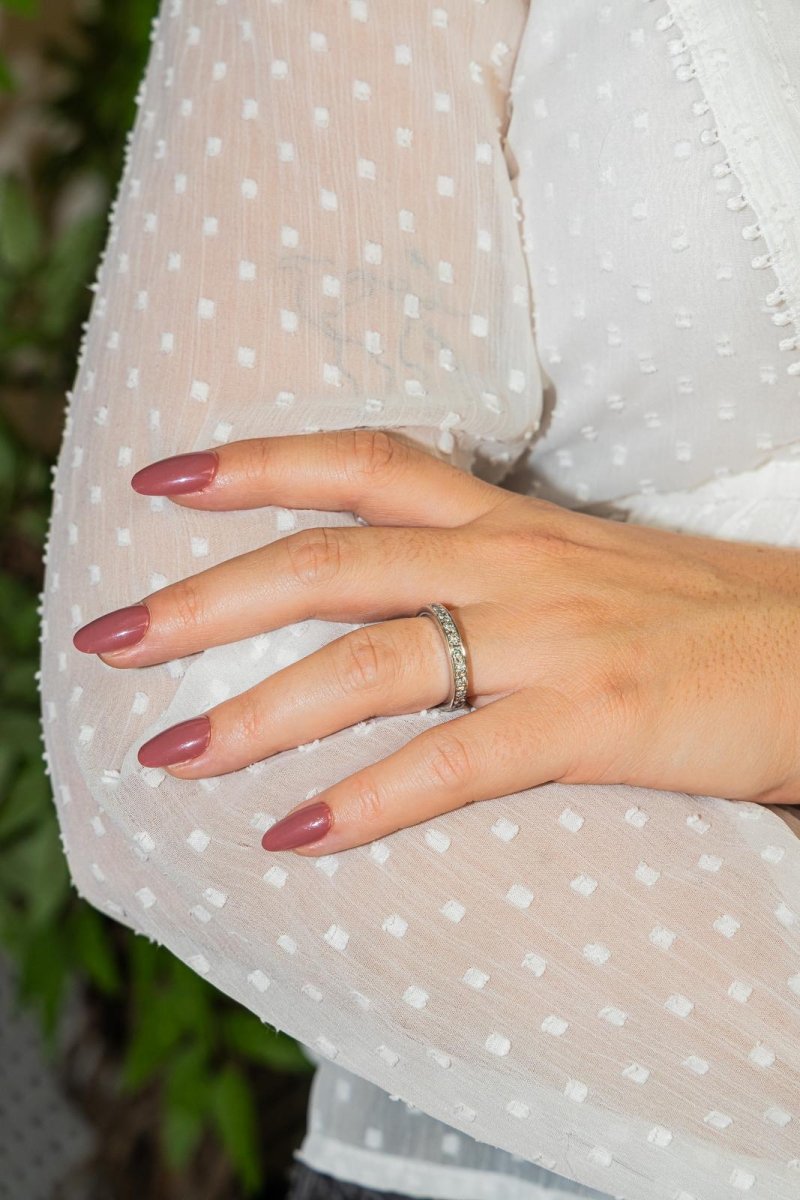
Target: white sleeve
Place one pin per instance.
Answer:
(316, 229)
(319, 226)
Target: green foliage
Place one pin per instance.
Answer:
(28, 8)
(244, 1035)
(44, 276)
(235, 1116)
(20, 229)
(25, 8)
(177, 1031)
(198, 1046)
(91, 950)
(188, 1101)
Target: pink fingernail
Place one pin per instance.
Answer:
(114, 631)
(302, 826)
(177, 476)
(179, 743)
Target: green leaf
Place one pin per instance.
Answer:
(157, 1031)
(181, 1132)
(169, 1003)
(188, 1098)
(26, 8)
(21, 730)
(192, 998)
(245, 1034)
(20, 229)
(19, 621)
(189, 1082)
(70, 267)
(91, 948)
(43, 975)
(144, 958)
(31, 524)
(35, 870)
(49, 873)
(19, 682)
(235, 1117)
(19, 809)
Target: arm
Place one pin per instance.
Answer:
(363, 955)
(335, 175)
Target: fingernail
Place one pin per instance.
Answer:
(114, 631)
(177, 476)
(177, 744)
(300, 827)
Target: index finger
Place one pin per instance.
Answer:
(383, 478)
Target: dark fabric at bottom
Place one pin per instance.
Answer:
(307, 1184)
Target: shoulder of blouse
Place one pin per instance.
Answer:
(739, 52)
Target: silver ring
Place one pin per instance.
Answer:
(456, 650)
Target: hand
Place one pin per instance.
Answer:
(599, 652)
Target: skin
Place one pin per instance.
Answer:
(599, 652)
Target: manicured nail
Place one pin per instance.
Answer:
(302, 826)
(177, 744)
(114, 631)
(177, 476)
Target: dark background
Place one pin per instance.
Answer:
(175, 1091)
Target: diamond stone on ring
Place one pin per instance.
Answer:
(456, 651)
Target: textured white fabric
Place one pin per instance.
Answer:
(356, 1132)
(350, 214)
(652, 319)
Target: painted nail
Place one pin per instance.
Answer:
(302, 826)
(114, 631)
(179, 743)
(177, 476)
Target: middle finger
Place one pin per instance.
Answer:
(384, 669)
(350, 574)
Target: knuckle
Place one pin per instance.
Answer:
(450, 763)
(187, 603)
(616, 693)
(259, 463)
(315, 556)
(525, 546)
(249, 720)
(368, 806)
(365, 662)
(593, 612)
(370, 452)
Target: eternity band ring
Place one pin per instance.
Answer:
(456, 651)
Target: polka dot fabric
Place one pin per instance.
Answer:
(328, 219)
(356, 1132)
(663, 335)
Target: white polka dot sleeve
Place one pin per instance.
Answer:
(317, 228)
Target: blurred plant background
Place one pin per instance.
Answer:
(190, 1095)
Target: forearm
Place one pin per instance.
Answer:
(788, 813)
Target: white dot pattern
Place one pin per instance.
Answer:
(326, 221)
(671, 353)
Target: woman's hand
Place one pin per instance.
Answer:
(598, 652)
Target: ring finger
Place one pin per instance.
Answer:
(383, 669)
